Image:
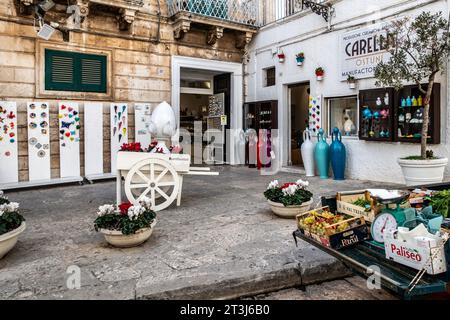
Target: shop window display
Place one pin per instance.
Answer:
(376, 114)
(343, 114)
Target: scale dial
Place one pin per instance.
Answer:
(383, 222)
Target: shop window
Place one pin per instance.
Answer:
(71, 71)
(343, 114)
(270, 77)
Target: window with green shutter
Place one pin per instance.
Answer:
(72, 71)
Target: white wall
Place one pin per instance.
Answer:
(307, 32)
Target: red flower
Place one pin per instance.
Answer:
(124, 207)
(134, 147)
(284, 186)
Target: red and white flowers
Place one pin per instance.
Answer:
(291, 193)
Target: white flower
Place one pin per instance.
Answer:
(105, 209)
(290, 190)
(135, 211)
(273, 184)
(12, 207)
(302, 184)
(146, 203)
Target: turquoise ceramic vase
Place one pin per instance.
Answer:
(322, 155)
(337, 155)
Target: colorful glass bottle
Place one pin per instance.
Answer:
(408, 101)
(419, 101)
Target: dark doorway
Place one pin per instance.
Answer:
(299, 99)
(222, 84)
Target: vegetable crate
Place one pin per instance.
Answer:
(345, 200)
(354, 230)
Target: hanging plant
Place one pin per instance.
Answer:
(319, 73)
(300, 57)
(351, 82)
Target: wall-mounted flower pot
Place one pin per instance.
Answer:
(300, 61)
(319, 78)
(281, 58)
(352, 85)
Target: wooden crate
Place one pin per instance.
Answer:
(344, 203)
(356, 232)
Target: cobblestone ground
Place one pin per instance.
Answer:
(223, 242)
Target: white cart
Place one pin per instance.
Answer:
(157, 176)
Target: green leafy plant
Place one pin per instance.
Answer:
(440, 201)
(419, 49)
(127, 219)
(361, 202)
(289, 194)
(10, 218)
(351, 79)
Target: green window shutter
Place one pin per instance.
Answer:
(71, 71)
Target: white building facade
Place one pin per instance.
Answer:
(323, 44)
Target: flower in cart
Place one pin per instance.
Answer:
(152, 145)
(123, 207)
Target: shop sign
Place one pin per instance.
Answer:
(361, 50)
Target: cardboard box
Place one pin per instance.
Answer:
(356, 232)
(416, 253)
(344, 203)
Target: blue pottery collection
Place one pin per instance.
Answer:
(322, 155)
(337, 154)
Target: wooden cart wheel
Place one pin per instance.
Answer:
(156, 179)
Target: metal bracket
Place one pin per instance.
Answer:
(326, 11)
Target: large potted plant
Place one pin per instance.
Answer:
(12, 224)
(128, 225)
(419, 50)
(289, 199)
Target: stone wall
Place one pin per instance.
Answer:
(139, 66)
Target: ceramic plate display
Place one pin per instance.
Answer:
(9, 171)
(315, 114)
(119, 130)
(142, 115)
(93, 138)
(38, 136)
(69, 139)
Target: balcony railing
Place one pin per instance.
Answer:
(274, 10)
(238, 11)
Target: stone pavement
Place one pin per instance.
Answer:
(223, 242)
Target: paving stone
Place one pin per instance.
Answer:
(223, 242)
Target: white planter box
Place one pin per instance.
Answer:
(418, 172)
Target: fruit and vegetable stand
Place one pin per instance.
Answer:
(332, 229)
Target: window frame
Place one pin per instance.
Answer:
(39, 67)
(266, 78)
(327, 119)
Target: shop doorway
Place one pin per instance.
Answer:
(205, 104)
(299, 118)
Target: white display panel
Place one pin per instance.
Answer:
(93, 138)
(69, 139)
(38, 141)
(142, 115)
(119, 130)
(9, 168)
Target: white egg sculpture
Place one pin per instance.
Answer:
(162, 126)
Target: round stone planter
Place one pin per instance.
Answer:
(119, 240)
(9, 239)
(418, 172)
(290, 211)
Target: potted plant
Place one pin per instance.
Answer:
(12, 224)
(351, 82)
(289, 199)
(300, 57)
(319, 73)
(128, 225)
(419, 50)
(281, 56)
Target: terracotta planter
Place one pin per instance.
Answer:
(418, 172)
(119, 240)
(8, 240)
(290, 211)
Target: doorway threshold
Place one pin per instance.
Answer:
(298, 170)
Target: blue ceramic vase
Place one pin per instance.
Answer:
(322, 155)
(337, 154)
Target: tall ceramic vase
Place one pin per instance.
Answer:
(322, 155)
(337, 154)
(307, 149)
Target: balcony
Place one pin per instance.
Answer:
(276, 10)
(241, 16)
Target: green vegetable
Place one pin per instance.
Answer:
(361, 202)
(440, 201)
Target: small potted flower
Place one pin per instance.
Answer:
(351, 82)
(300, 57)
(12, 224)
(319, 73)
(289, 199)
(281, 56)
(128, 225)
